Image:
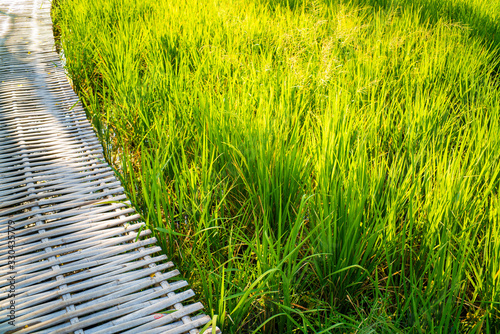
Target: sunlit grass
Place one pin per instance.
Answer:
(309, 165)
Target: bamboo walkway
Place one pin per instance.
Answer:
(69, 258)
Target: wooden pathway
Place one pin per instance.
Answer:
(69, 259)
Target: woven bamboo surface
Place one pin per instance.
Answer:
(64, 218)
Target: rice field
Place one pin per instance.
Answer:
(310, 166)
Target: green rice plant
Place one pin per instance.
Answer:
(310, 166)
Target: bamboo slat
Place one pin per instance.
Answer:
(84, 263)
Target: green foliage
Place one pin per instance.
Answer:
(310, 166)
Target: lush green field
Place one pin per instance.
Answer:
(310, 166)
